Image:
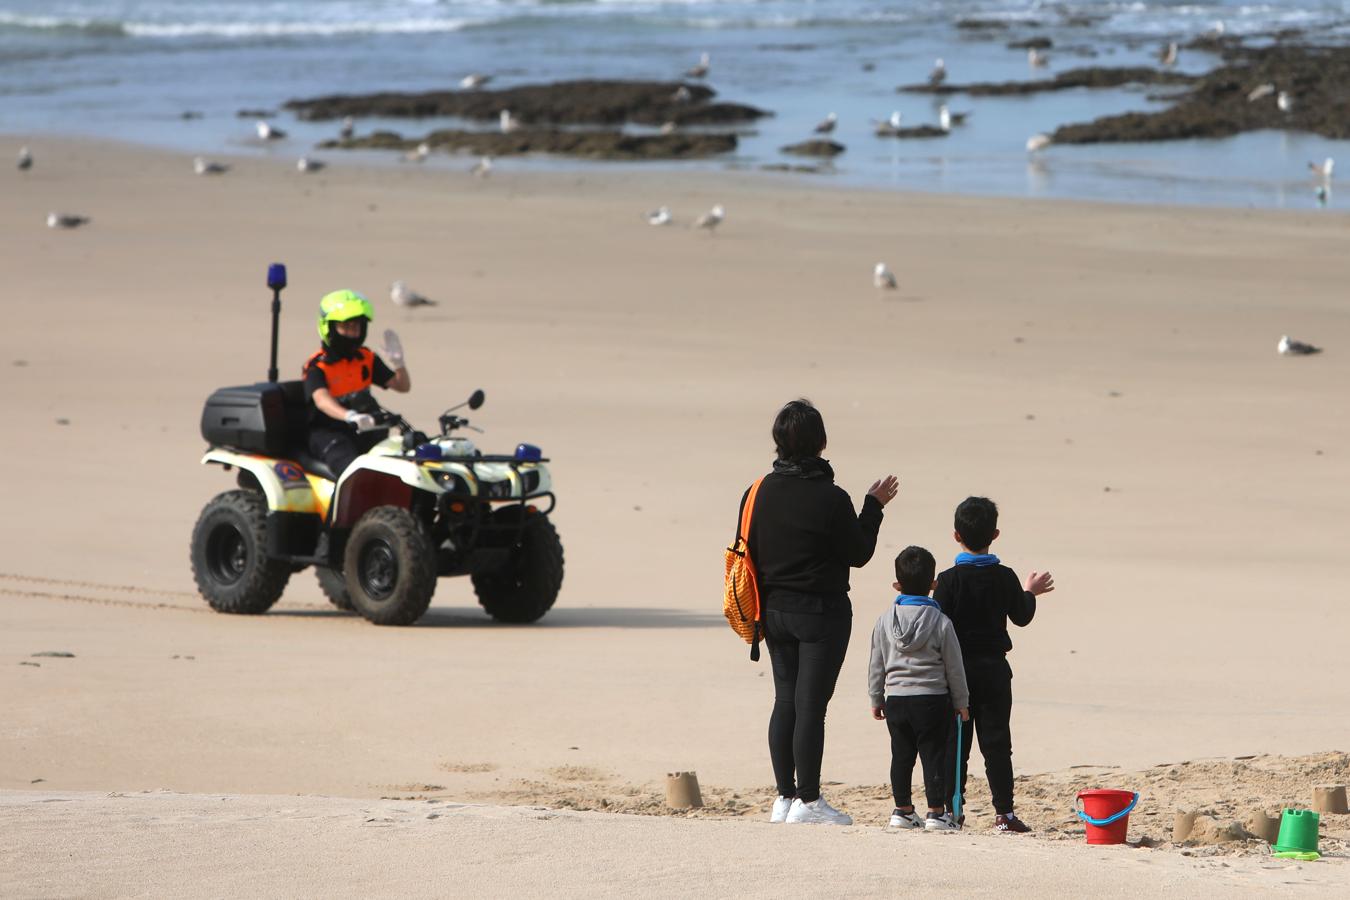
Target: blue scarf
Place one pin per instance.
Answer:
(915, 600)
(976, 559)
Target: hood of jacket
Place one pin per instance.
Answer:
(914, 626)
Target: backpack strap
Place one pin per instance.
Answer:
(743, 536)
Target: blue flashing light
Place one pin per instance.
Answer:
(528, 453)
(276, 276)
(427, 452)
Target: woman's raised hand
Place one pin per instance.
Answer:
(885, 489)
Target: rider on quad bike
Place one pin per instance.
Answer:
(341, 369)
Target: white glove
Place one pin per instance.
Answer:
(362, 421)
(393, 349)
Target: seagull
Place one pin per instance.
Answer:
(305, 164)
(474, 80)
(1260, 91)
(267, 133)
(827, 124)
(1288, 347)
(482, 168)
(1168, 54)
(25, 159)
(507, 122)
(890, 126)
(348, 128)
(944, 118)
(712, 218)
(1323, 169)
(667, 128)
(1217, 29)
(682, 95)
(402, 295)
(883, 277)
(955, 118)
(1283, 102)
(1036, 59)
(419, 154)
(1038, 142)
(203, 166)
(65, 220)
(700, 70)
(659, 216)
(939, 73)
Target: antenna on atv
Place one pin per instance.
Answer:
(276, 280)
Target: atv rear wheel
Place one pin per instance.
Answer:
(334, 587)
(229, 555)
(390, 567)
(528, 584)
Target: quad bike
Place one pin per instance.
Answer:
(410, 510)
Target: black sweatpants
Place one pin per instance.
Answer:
(339, 446)
(920, 725)
(806, 651)
(990, 682)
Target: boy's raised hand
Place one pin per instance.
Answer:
(884, 489)
(878, 713)
(1038, 583)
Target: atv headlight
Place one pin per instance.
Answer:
(449, 481)
(496, 490)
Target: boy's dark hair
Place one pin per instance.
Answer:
(976, 522)
(914, 569)
(799, 431)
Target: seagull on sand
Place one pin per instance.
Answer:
(1283, 101)
(1038, 142)
(939, 73)
(348, 128)
(474, 80)
(419, 154)
(827, 124)
(507, 122)
(267, 133)
(1288, 347)
(712, 218)
(1036, 59)
(1260, 91)
(65, 220)
(1323, 169)
(402, 295)
(305, 164)
(25, 159)
(659, 216)
(1168, 54)
(700, 70)
(203, 166)
(883, 278)
(482, 168)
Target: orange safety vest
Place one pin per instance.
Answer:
(345, 375)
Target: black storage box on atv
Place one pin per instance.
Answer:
(262, 417)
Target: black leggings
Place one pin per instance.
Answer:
(920, 725)
(806, 650)
(990, 682)
(339, 446)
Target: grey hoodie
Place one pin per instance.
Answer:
(914, 652)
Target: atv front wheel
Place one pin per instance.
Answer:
(528, 584)
(334, 587)
(390, 567)
(229, 555)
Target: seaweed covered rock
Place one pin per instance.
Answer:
(585, 144)
(814, 148)
(1084, 77)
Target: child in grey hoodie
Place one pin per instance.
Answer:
(915, 679)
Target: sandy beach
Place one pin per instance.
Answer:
(1108, 374)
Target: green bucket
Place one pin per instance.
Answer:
(1298, 835)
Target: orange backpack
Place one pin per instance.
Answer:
(740, 599)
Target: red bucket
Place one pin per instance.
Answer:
(1107, 815)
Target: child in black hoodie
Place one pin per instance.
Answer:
(980, 596)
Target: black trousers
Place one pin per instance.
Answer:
(806, 651)
(990, 682)
(339, 446)
(921, 725)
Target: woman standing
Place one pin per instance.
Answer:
(804, 537)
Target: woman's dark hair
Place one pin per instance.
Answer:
(799, 431)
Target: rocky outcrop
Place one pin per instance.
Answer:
(1085, 77)
(814, 148)
(585, 144)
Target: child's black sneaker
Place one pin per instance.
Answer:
(1010, 824)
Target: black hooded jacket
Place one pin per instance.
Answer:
(804, 537)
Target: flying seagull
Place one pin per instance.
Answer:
(712, 218)
(482, 168)
(827, 124)
(474, 80)
(267, 133)
(883, 278)
(402, 295)
(939, 73)
(1038, 142)
(65, 220)
(305, 164)
(203, 166)
(348, 128)
(1289, 347)
(659, 216)
(25, 159)
(700, 70)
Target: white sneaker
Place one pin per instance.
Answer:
(780, 810)
(817, 812)
(905, 820)
(940, 822)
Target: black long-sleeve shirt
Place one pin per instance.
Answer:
(805, 536)
(980, 601)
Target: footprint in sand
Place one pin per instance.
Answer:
(468, 768)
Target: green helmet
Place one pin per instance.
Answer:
(342, 306)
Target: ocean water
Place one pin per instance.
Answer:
(129, 69)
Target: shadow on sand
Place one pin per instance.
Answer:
(558, 617)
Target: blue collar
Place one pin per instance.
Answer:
(976, 559)
(915, 600)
